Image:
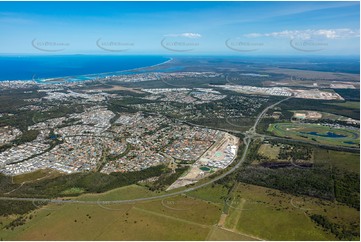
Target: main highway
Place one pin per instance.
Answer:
(249, 135)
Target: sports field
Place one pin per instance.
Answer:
(317, 133)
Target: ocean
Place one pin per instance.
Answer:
(75, 67)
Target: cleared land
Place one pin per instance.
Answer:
(178, 218)
(122, 193)
(116, 88)
(257, 208)
(252, 211)
(198, 215)
(222, 234)
(342, 160)
(35, 176)
(313, 75)
(269, 151)
(214, 193)
(218, 156)
(317, 133)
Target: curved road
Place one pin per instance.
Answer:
(247, 140)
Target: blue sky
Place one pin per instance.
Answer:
(195, 28)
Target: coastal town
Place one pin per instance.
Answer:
(104, 140)
(88, 141)
(180, 120)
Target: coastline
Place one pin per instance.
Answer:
(96, 75)
(49, 80)
(165, 62)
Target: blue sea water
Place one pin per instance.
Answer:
(77, 66)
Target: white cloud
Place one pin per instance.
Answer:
(309, 34)
(186, 35)
(16, 18)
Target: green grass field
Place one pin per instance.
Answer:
(122, 193)
(269, 214)
(73, 191)
(348, 104)
(222, 234)
(269, 151)
(317, 133)
(36, 175)
(209, 193)
(174, 218)
(272, 215)
(253, 213)
(342, 160)
(141, 221)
